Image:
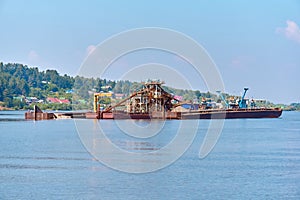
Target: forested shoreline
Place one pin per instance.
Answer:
(20, 84)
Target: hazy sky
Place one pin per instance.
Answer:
(253, 43)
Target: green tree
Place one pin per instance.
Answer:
(197, 94)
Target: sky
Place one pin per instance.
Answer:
(254, 44)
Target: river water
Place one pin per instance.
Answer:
(253, 159)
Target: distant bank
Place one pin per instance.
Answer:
(22, 87)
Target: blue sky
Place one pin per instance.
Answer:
(254, 43)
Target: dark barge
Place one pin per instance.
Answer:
(199, 114)
(153, 102)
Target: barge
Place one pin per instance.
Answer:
(198, 114)
(153, 102)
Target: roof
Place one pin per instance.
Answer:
(177, 97)
(57, 100)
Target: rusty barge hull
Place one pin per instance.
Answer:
(201, 114)
(233, 114)
(153, 115)
(197, 114)
(39, 116)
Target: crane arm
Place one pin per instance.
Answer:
(124, 100)
(242, 103)
(222, 97)
(245, 91)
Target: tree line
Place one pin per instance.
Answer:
(18, 80)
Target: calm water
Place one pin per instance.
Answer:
(253, 159)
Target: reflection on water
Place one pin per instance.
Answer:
(254, 158)
(41, 158)
(16, 166)
(137, 145)
(11, 120)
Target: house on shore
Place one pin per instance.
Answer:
(57, 100)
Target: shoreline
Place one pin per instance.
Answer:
(6, 109)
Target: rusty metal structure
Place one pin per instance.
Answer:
(38, 114)
(98, 96)
(152, 98)
(152, 101)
